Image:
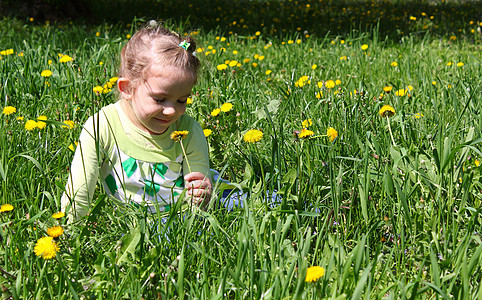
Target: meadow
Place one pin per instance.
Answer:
(371, 139)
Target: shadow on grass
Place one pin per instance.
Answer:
(272, 18)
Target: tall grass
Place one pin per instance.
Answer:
(385, 218)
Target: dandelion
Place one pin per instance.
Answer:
(30, 125)
(46, 73)
(189, 101)
(460, 64)
(222, 67)
(449, 63)
(46, 247)
(68, 124)
(343, 57)
(364, 47)
(55, 231)
(305, 133)
(253, 136)
(319, 95)
(215, 112)
(401, 92)
(98, 89)
(178, 135)
(268, 72)
(7, 52)
(65, 58)
(314, 66)
(58, 215)
(207, 132)
(477, 162)
(6, 207)
(387, 89)
(330, 84)
(434, 83)
(338, 82)
(233, 63)
(306, 123)
(226, 107)
(8, 110)
(418, 115)
(314, 273)
(331, 133)
(40, 123)
(387, 111)
(394, 64)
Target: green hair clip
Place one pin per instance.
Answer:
(184, 45)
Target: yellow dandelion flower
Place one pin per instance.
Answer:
(68, 124)
(7, 52)
(46, 73)
(8, 110)
(387, 89)
(20, 118)
(343, 57)
(268, 72)
(319, 95)
(460, 64)
(215, 112)
(189, 101)
(434, 82)
(40, 124)
(314, 66)
(55, 231)
(58, 215)
(254, 64)
(394, 64)
(314, 273)
(307, 123)
(233, 63)
(477, 163)
(304, 133)
(178, 135)
(449, 63)
(46, 247)
(113, 80)
(364, 47)
(338, 82)
(226, 107)
(30, 125)
(207, 132)
(418, 115)
(98, 89)
(253, 136)
(401, 92)
(386, 111)
(330, 84)
(331, 133)
(222, 67)
(6, 207)
(65, 58)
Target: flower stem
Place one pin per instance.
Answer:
(185, 156)
(390, 129)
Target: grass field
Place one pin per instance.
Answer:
(386, 200)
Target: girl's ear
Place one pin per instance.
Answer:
(123, 86)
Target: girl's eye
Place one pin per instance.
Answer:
(182, 101)
(159, 100)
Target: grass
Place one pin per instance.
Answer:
(386, 218)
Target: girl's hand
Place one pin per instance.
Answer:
(199, 188)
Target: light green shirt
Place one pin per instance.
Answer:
(133, 166)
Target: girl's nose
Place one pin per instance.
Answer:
(168, 111)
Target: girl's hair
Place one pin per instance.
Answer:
(155, 45)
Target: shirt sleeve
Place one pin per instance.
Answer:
(84, 172)
(196, 151)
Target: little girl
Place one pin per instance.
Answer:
(128, 143)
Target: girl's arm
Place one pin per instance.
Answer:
(84, 172)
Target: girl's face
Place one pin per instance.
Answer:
(158, 101)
